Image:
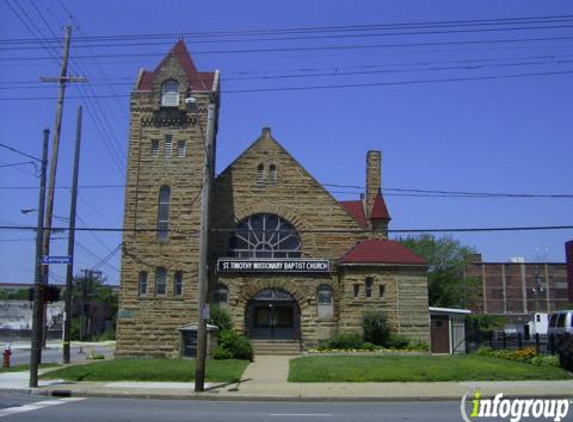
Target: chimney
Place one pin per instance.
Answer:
(373, 180)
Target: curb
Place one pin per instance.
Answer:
(270, 398)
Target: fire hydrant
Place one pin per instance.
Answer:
(6, 355)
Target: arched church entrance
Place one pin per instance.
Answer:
(273, 314)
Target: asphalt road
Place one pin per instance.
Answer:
(20, 407)
(54, 355)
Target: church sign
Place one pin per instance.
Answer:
(232, 265)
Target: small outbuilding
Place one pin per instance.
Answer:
(448, 330)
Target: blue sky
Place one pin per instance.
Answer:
(451, 110)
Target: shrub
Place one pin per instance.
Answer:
(419, 345)
(564, 348)
(376, 327)
(345, 341)
(397, 341)
(233, 346)
(368, 346)
(221, 318)
(545, 360)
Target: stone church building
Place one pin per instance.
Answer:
(291, 263)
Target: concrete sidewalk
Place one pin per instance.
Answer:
(266, 379)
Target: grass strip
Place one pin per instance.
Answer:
(416, 369)
(176, 370)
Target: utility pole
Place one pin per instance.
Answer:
(61, 80)
(71, 243)
(38, 307)
(203, 273)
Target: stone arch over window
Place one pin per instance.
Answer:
(221, 295)
(264, 235)
(163, 213)
(325, 301)
(170, 93)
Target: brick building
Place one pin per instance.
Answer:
(288, 260)
(517, 290)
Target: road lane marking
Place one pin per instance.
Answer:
(37, 406)
(323, 415)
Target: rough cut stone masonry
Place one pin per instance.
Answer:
(149, 320)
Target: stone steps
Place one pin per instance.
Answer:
(276, 347)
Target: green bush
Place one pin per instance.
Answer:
(233, 346)
(376, 327)
(222, 354)
(545, 360)
(397, 341)
(344, 341)
(221, 318)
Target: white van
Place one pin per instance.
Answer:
(560, 322)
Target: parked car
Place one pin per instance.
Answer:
(560, 322)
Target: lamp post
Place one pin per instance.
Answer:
(202, 275)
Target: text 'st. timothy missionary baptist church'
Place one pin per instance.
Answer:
(290, 262)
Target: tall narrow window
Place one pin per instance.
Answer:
(324, 302)
(170, 93)
(155, 148)
(356, 291)
(142, 283)
(178, 284)
(368, 287)
(163, 213)
(272, 174)
(160, 281)
(381, 291)
(168, 151)
(221, 295)
(180, 149)
(260, 175)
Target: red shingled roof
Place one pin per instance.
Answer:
(379, 210)
(375, 251)
(356, 210)
(200, 81)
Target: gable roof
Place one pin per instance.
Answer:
(356, 211)
(376, 251)
(199, 81)
(379, 209)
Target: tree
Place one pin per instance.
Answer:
(92, 298)
(447, 259)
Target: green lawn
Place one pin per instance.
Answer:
(182, 370)
(416, 368)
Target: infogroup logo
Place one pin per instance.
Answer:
(513, 409)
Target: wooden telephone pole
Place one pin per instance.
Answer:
(62, 80)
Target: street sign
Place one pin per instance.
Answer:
(52, 259)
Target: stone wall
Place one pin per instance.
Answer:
(148, 324)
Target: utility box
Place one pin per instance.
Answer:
(189, 340)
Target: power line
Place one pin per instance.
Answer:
(423, 230)
(317, 29)
(335, 86)
(309, 49)
(17, 151)
(386, 191)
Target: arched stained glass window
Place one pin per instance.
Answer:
(170, 93)
(264, 236)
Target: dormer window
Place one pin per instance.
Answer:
(170, 93)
